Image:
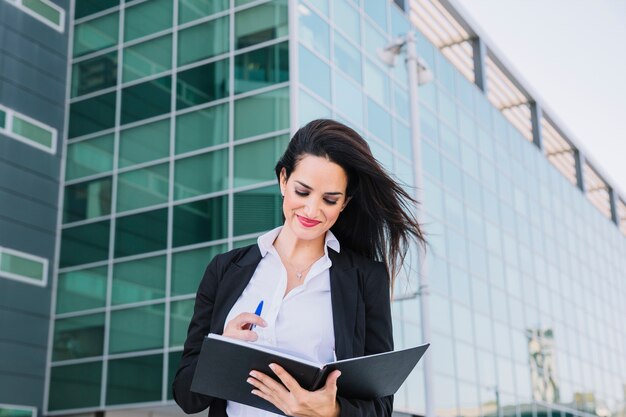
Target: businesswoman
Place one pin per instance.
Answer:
(324, 276)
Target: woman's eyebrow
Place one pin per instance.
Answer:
(310, 188)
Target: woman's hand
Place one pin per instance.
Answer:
(295, 400)
(240, 327)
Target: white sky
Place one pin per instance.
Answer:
(572, 54)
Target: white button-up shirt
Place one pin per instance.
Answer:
(301, 321)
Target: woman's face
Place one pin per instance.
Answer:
(314, 195)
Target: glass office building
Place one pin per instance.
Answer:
(176, 113)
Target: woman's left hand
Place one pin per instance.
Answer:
(292, 399)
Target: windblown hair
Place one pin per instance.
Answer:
(378, 222)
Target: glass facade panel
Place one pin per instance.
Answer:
(81, 290)
(180, 316)
(202, 128)
(17, 411)
(310, 108)
(377, 10)
(94, 74)
(189, 10)
(75, 386)
(146, 18)
(188, 268)
(3, 119)
(145, 100)
(262, 67)
(91, 115)
(140, 233)
(261, 23)
(144, 143)
(349, 18)
(203, 41)
(134, 380)
(313, 31)
(376, 83)
(202, 84)
(142, 187)
(201, 174)
(348, 99)
(200, 221)
(139, 280)
(85, 8)
(78, 337)
(22, 266)
(44, 10)
(86, 200)
(33, 132)
(84, 244)
(174, 361)
(262, 113)
(379, 122)
(137, 329)
(255, 161)
(96, 34)
(347, 58)
(147, 58)
(314, 73)
(257, 210)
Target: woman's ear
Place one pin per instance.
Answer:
(283, 181)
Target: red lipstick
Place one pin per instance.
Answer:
(306, 222)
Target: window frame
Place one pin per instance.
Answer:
(21, 278)
(7, 130)
(60, 27)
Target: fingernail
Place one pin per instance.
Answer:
(253, 374)
(249, 380)
(272, 366)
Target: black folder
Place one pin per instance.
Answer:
(224, 365)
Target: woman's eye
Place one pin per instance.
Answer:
(302, 193)
(330, 202)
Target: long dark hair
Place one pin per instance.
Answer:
(378, 222)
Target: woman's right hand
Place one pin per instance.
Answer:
(240, 327)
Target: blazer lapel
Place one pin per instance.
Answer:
(344, 291)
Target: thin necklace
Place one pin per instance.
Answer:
(298, 273)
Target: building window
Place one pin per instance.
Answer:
(23, 267)
(44, 11)
(27, 130)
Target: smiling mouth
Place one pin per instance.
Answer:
(306, 222)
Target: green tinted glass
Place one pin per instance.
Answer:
(142, 187)
(84, 8)
(313, 31)
(78, 337)
(22, 266)
(200, 221)
(261, 67)
(147, 58)
(174, 362)
(347, 57)
(261, 23)
(85, 244)
(310, 108)
(255, 161)
(140, 233)
(44, 10)
(12, 411)
(81, 290)
(137, 329)
(31, 131)
(257, 210)
(145, 100)
(86, 200)
(135, 380)
(94, 74)
(244, 242)
(139, 280)
(89, 157)
(3, 119)
(92, 115)
(75, 386)
(144, 143)
(189, 10)
(201, 174)
(202, 128)
(96, 34)
(193, 45)
(202, 84)
(188, 268)
(180, 316)
(262, 113)
(146, 18)
(314, 73)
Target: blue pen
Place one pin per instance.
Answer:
(258, 310)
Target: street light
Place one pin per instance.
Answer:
(418, 74)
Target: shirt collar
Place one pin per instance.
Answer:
(265, 241)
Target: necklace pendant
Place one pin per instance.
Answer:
(299, 275)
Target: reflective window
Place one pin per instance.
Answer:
(180, 316)
(349, 18)
(96, 34)
(140, 280)
(262, 67)
(189, 10)
(88, 7)
(310, 108)
(262, 113)
(146, 100)
(94, 74)
(262, 23)
(203, 41)
(3, 119)
(188, 268)
(92, 115)
(202, 84)
(174, 361)
(75, 386)
(400, 102)
(139, 233)
(146, 18)
(78, 337)
(202, 128)
(144, 143)
(313, 31)
(23, 267)
(134, 380)
(7, 410)
(201, 174)
(374, 40)
(347, 58)
(142, 187)
(138, 328)
(447, 109)
(147, 58)
(86, 200)
(85, 244)
(348, 99)
(429, 124)
(450, 143)
(200, 221)
(81, 290)
(377, 10)
(452, 176)
(314, 73)
(379, 122)
(431, 161)
(321, 5)
(257, 210)
(376, 83)
(403, 142)
(255, 161)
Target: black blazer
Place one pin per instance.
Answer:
(361, 317)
